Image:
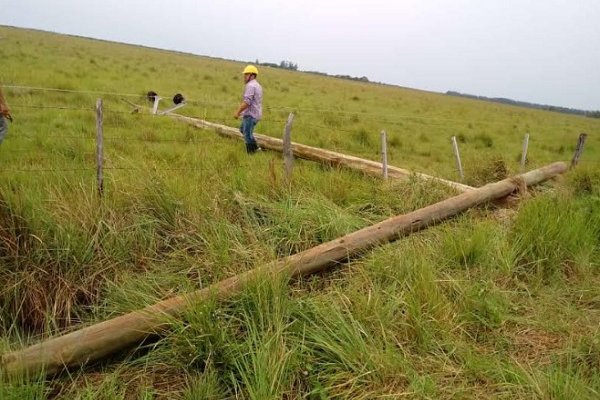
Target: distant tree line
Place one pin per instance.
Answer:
(352, 78)
(565, 110)
(283, 65)
(294, 67)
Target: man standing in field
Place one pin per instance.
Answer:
(4, 115)
(250, 108)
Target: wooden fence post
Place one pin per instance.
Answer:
(457, 157)
(524, 152)
(288, 154)
(99, 147)
(384, 160)
(578, 149)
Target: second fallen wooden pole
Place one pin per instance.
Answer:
(97, 341)
(329, 157)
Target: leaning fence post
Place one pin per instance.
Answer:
(99, 147)
(457, 157)
(524, 152)
(384, 160)
(578, 149)
(155, 108)
(288, 154)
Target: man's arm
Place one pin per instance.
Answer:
(241, 108)
(248, 97)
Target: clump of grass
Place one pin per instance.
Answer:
(296, 224)
(480, 171)
(265, 362)
(149, 136)
(469, 247)
(584, 181)
(23, 387)
(43, 287)
(247, 347)
(395, 142)
(484, 310)
(362, 137)
(583, 359)
(484, 140)
(343, 358)
(554, 236)
(332, 120)
(207, 385)
(562, 149)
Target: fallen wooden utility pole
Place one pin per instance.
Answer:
(369, 167)
(97, 341)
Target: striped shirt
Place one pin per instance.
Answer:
(253, 94)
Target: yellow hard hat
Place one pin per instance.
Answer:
(250, 69)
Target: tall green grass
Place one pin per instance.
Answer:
(492, 304)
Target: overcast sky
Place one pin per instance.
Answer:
(544, 51)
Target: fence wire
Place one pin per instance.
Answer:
(110, 108)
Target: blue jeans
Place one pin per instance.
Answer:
(3, 128)
(247, 129)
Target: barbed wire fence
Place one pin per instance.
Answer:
(123, 99)
(89, 141)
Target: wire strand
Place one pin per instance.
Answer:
(47, 89)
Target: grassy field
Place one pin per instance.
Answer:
(493, 304)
